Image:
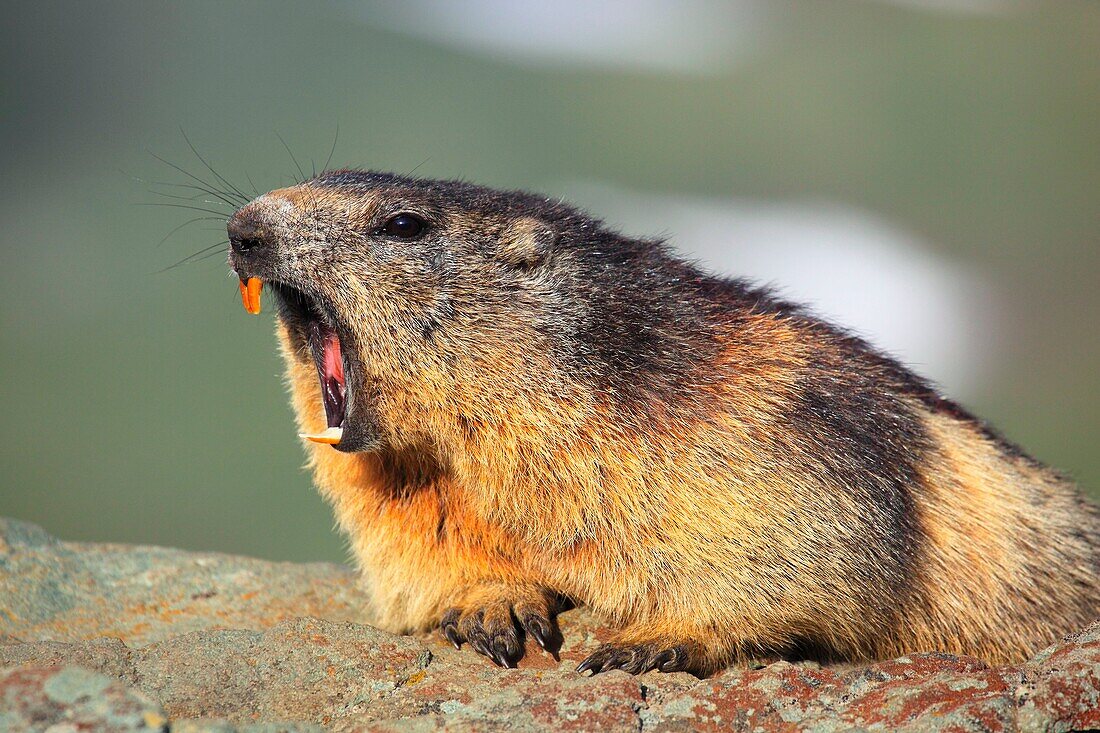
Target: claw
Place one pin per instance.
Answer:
(587, 665)
(500, 658)
(612, 662)
(670, 660)
(596, 661)
(503, 651)
(544, 631)
(481, 647)
(635, 660)
(449, 627)
(452, 636)
(539, 630)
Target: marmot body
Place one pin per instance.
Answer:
(532, 407)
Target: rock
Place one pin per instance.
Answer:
(73, 699)
(57, 591)
(108, 637)
(1061, 686)
(923, 691)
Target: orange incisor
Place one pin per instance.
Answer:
(250, 294)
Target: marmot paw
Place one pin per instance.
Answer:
(497, 626)
(638, 658)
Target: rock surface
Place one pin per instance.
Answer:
(109, 637)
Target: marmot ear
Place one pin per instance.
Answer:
(526, 242)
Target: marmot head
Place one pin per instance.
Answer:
(445, 293)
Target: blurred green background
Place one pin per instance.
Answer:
(145, 406)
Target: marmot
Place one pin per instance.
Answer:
(527, 408)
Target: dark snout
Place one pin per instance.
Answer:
(248, 232)
(252, 242)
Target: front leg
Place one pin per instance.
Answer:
(494, 617)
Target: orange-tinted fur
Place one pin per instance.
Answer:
(505, 524)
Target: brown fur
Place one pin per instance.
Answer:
(753, 482)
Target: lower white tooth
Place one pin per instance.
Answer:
(331, 436)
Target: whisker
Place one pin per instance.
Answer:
(189, 221)
(210, 168)
(418, 165)
(223, 195)
(194, 257)
(191, 186)
(292, 158)
(333, 149)
(213, 192)
(206, 256)
(194, 197)
(181, 206)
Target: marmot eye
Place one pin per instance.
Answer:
(405, 226)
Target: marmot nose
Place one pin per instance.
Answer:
(246, 232)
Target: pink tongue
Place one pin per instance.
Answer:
(333, 363)
(332, 380)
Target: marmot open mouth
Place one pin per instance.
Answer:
(325, 345)
(316, 327)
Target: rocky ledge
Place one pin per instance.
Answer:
(112, 637)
